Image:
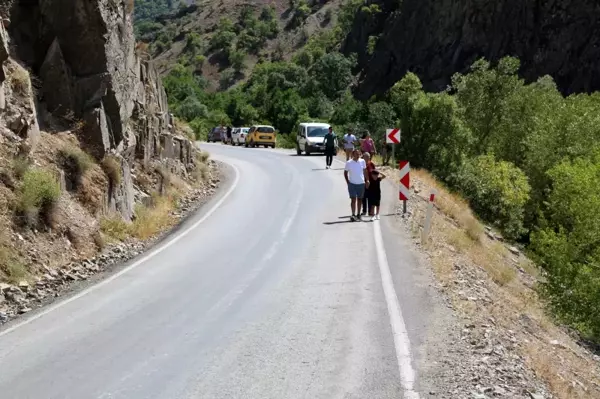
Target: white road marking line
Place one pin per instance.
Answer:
(401, 339)
(137, 263)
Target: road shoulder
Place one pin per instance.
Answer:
(81, 276)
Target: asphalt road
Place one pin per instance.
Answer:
(269, 293)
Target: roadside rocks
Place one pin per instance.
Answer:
(25, 296)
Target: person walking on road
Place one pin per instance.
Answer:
(370, 167)
(367, 144)
(349, 140)
(375, 193)
(357, 180)
(330, 144)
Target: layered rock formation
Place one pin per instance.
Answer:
(83, 55)
(435, 39)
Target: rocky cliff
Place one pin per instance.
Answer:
(436, 38)
(79, 57)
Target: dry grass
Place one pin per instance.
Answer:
(38, 194)
(20, 166)
(150, 221)
(12, 266)
(75, 163)
(112, 168)
(203, 156)
(129, 6)
(19, 80)
(114, 227)
(201, 173)
(99, 240)
(460, 251)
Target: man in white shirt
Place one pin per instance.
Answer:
(348, 141)
(357, 179)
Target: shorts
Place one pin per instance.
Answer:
(329, 151)
(374, 198)
(356, 190)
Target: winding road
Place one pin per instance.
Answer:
(267, 292)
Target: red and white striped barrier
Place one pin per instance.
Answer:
(404, 167)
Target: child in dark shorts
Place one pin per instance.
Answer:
(374, 193)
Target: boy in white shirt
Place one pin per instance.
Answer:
(357, 178)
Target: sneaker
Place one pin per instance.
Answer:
(377, 216)
(374, 218)
(353, 218)
(359, 218)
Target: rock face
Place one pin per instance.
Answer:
(435, 39)
(83, 52)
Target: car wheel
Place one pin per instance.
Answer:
(298, 150)
(246, 145)
(306, 151)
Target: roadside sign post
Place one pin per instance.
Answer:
(392, 136)
(404, 191)
(428, 217)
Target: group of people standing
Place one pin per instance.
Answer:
(362, 177)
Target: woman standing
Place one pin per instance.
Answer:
(367, 144)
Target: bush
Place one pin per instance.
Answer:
(12, 266)
(497, 191)
(38, 194)
(191, 108)
(286, 141)
(75, 162)
(115, 227)
(568, 244)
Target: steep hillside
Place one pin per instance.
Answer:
(89, 152)
(223, 41)
(436, 39)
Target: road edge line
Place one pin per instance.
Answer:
(400, 334)
(134, 265)
(401, 339)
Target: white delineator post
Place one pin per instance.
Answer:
(404, 191)
(428, 217)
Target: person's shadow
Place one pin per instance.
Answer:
(345, 219)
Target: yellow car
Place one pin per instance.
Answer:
(261, 135)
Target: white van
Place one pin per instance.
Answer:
(310, 137)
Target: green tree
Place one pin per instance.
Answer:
(285, 110)
(237, 60)
(568, 243)
(497, 191)
(333, 73)
(191, 108)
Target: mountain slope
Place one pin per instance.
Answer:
(224, 40)
(434, 39)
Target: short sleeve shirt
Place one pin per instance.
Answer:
(355, 169)
(349, 140)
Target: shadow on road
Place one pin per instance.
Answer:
(338, 222)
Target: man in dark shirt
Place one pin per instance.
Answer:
(330, 142)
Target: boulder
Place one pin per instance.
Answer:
(97, 137)
(56, 82)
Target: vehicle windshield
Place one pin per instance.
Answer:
(245, 130)
(264, 129)
(317, 131)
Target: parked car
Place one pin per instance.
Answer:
(261, 135)
(216, 134)
(310, 137)
(238, 135)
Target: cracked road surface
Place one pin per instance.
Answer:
(269, 293)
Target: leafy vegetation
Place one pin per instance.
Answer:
(39, 193)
